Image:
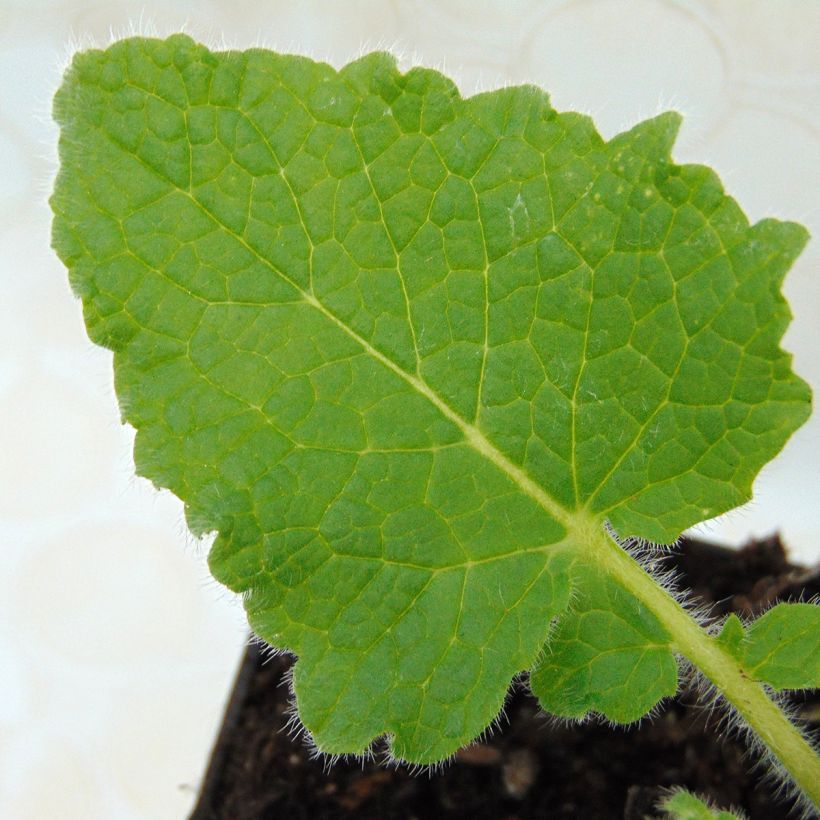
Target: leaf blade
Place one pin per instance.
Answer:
(606, 655)
(780, 648)
(351, 315)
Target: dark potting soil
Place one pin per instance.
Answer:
(530, 768)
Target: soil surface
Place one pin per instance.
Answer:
(531, 768)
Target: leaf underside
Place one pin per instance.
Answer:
(395, 347)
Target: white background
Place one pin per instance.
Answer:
(116, 651)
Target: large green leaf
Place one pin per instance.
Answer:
(404, 351)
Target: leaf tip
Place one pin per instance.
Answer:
(653, 137)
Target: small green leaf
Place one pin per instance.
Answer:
(683, 805)
(732, 633)
(405, 351)
(607, 655)
(782, 647)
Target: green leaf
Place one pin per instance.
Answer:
(780, 648)
(607, 655)
(732, 633)
(405, 352)
(683, 805)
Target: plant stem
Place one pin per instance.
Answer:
(747, 696)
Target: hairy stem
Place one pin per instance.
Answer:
(747, 696)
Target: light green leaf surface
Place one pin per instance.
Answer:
(405, 351)
(781, 647)
(607, 655)
(731, 634)
(683, 805)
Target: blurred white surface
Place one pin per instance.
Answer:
(116, 651)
